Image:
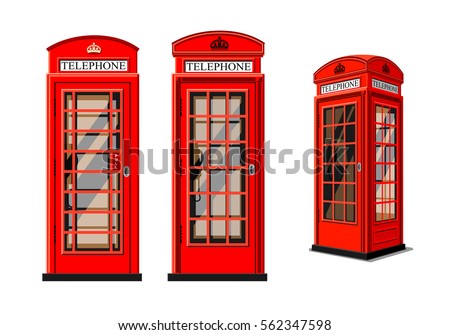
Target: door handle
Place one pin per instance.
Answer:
(126, 171)
(358, 167)
(251, 169)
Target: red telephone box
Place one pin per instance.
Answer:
(92, 179)
(359, 133)
(218, 160)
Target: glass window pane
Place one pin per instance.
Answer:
(339, 192)
(92, 121)
(198, 205)
(92, 161)
(328, 173)
(92, 201)
(350, 113)
(92, 181)
(350, 193)
(339, 212)
(236, 129)
(217, 178)
(236, 231)
(198, 231)
(338, 134)
(198, 103)
(378, 212)
(218, 231)
(92, 242)
(378, 114)
(236, 206)
(198, 155)
(350, 153)
(87, 222)
(68, 121)
(67, 242)
(339, 153)
(350, 213)
(339, 114)
(350, 175)
(328, 154)
(68, 100)
(116, 100)
(391, 116)
(90, 100)
(327, 191)
(328, 116)
(235, 155)
(217, 205)
(328, 135)
(236, 181)
(350, 133)
(217, 131)
(68, 222)
(198, 129)
(218, 103)
(92, 141)
(338, 173)
(327, 211)
(237, 103)
(198, 180)
(217, 155)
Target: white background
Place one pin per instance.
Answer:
(404, 294)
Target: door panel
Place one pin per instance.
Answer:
(218, 190)
(339, 183)
(92, 216)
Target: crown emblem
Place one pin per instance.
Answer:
(385, 68)
(93, 49)
(339, 68)
(219, 44)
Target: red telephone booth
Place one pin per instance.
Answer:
(218, 175)
(359, 133)
(92, 178)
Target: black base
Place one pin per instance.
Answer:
(359, 255)
(217, 277)
(91, 277)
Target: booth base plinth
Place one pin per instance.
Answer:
(91, 277)
(359, 255)
(217, 277)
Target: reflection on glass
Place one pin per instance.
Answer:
(327, 135)
(92, 141)
(339, 212)
(90, 100)
(217, 180)
(198, 155)
(92, 181)
(338, 134)
(236, 129)
(217, 155)
(350, 176)
(92, 201)
(92, 161)
(217, 131)
(235, 155)
(350, 113)
(350, 150)
(86, 222)
(338, 173)
(350, 193)
(218, 103)
(198, 180)
(236, 103)
(339, 192)
(350, 213)
(327, 211)
(339, 114)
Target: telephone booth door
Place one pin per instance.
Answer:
(218, 176)
(341, 183)
(92, 195)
